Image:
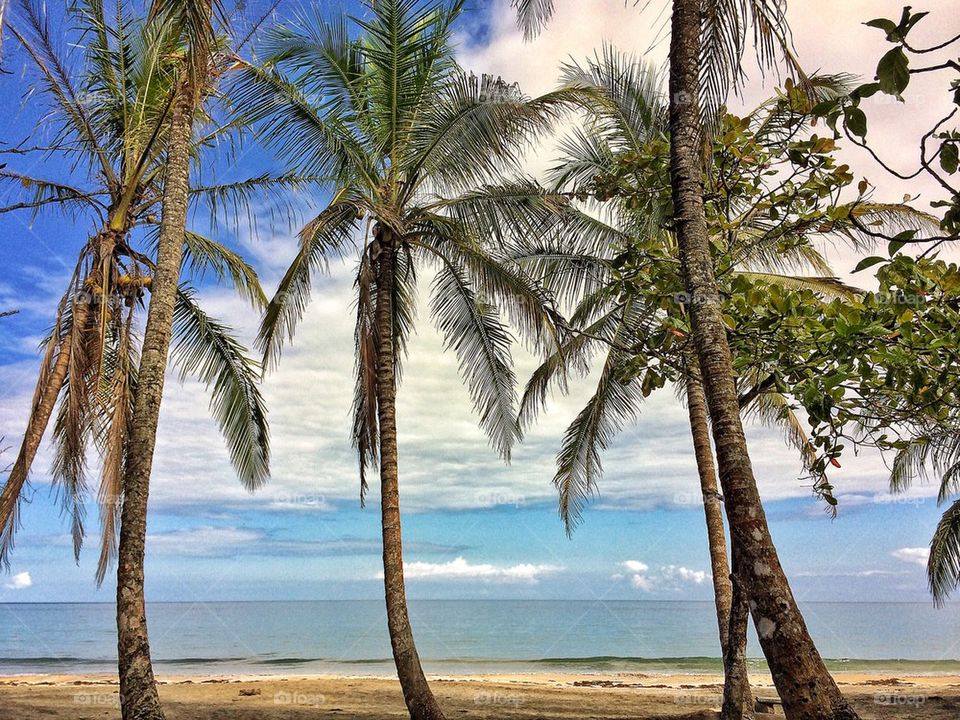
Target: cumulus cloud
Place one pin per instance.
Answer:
(461, 569)
(667, 577)
(914, 556)
(20, 581)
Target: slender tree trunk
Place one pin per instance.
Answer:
(738, 701)
(737, 698)
(138, 690)
(806, 688)
(416, 692)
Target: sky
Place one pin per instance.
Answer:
(474, 528)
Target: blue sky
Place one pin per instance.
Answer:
(474, 528)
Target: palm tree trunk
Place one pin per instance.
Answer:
(737, 697)
(806, 688)
(420, 701)
(138, 690)
(738, 701)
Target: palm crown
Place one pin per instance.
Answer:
(117, 142)
(411, 148)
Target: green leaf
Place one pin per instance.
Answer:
(888, 26)
(856, 121)
(949, 157)
(868, 263)
(899, 240)
(893, 72)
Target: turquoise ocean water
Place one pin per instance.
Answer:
(465, 636)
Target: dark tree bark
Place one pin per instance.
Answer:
(138, 689)
(806, 688)
(420, 701)
(731, 619)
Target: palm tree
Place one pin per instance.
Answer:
(92, 355)
(708, 41)
(192, 23)
(409, 144)
(701, 41)
(581, 269)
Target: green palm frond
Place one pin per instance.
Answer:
(469, 138)
(614, 403)
(530, 309)
(241, 201)
(573, 358)
(329, 234)
(533, 15)
(828, 288)
(37, 40)
(943, 567)
(629, 108)
(38, 193)
(773, 410)
(726, 39)
(205, 255)
(205, 348)
(324, 58)
(471, 326)
(310, 139)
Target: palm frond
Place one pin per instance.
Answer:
(244, 200)
(533, 15)
(773, 410)
(726, 39)
(943, 567)
(326, 235)
(205, 348)
(579, 465)
(203, 255)
(471, 327)
(365, 419)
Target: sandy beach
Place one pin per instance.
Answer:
(599, 697)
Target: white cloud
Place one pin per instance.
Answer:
(461, 569)
(681, 574)
(642, 582)
(668, 577)
(20, 581)
(915, 556)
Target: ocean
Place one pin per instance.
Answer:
(460, 637)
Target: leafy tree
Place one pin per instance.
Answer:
(409, 146)
(878, 372)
